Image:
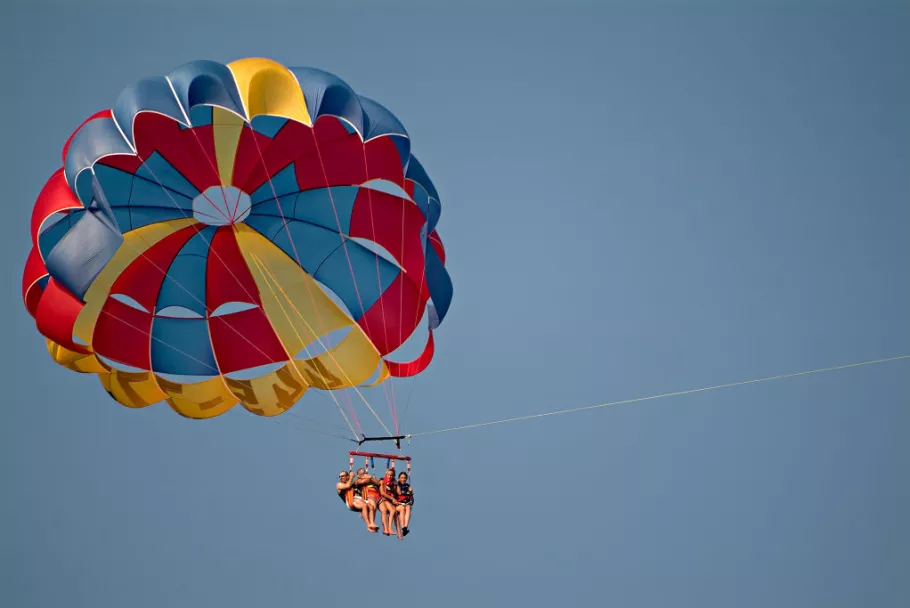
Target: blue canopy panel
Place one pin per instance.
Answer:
(439, 283)
(149, 95)
(328, 95)
(116, 184)
(83, 252)
(184, 284)
(330, 208)
(310, 243)
(158, 170)
(268, 125)
(318, 207)
(200, 116)
(283, 206)
(379, 121)
(351, 272)
(123, 189)
(100, 203)
(96, 139)
(145, 216)
(136, 202)
(124, 219)
(417, 174)
(48, 239)
(205, 82)
(148, 194)
(422, 200)
(282, 183)
(182, 347)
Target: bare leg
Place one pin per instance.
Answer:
(371, 523)
(398, 525)
(365, 513)
(406, 516)
(392, 511)
(384, 513)
(402, 522)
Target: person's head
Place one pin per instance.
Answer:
(402, 477)
(343, 476)
(361, 472)
(390, 474)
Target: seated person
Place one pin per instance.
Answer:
(372, 495)
(405, 496)
(388, 504)
(352, 495)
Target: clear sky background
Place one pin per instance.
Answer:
(637, 198)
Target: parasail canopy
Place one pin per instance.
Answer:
(237, 234)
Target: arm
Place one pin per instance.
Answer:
(385, 494)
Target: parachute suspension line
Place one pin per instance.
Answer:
(272, 420)
(178, 283)
(393, 410)
(348, 405)
(340, 367)
(300, 417)
(417, 315)
(214, 168)
(309, 287)
(259, 267)
(220, 182)
(181, 286)
(347, 255)
(260, 264)
(236, 205)
(215, 370)
(149, 335)
(308, 430)
(661, 396)
(408, 404)
(401, 290)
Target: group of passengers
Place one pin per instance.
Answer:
(365, 494)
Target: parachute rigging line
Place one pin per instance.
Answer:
(662, 396)
(297, 256)
(393, 408)
(187, 355)
(234, 276)
(294, 247)
(349, 405)
(340, 367)
(143, 255)
(347, 255)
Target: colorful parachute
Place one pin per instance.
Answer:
(209, 232)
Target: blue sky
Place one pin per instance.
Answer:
(637, 198)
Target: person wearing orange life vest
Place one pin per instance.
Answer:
(388, 504)
(352, 496)
(373, 494)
